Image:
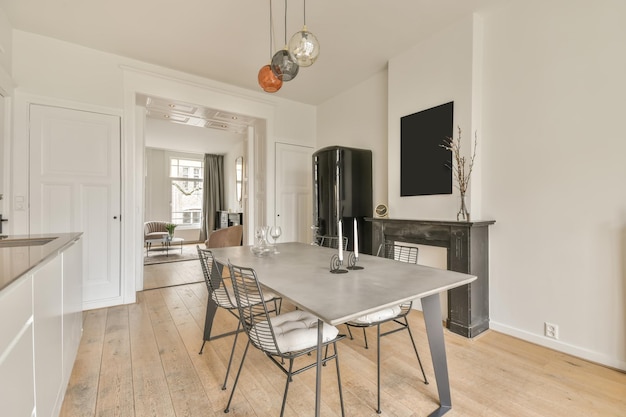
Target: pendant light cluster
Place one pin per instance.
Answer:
(301, 51)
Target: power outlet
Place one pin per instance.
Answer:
(551, 330)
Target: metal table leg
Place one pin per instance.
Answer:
(434, 329)
(318, 370)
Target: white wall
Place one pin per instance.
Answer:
(160, 136)
(433, 72)
(60, 73)
(357, 118)
(6, 44)
(158, 190)
(6, 91)
(544, 82)
(554, 173)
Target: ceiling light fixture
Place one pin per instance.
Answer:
(283, 65)
(267, 79)
(304, 46)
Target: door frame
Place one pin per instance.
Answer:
(6, 95)
(20, 173)
(197, 91)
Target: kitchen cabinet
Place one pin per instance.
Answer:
(17, 383)
(40, 329)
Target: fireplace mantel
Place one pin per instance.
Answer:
(468, 252)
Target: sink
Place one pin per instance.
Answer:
(15, 242)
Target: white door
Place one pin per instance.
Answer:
(294, 211)
(75, 187)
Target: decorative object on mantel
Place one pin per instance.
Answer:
(460, 172)
(382, 210)
(170, 227)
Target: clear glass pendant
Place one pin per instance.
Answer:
(304, 48)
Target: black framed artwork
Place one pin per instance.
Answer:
(425, 167)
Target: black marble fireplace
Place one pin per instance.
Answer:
(468, 251)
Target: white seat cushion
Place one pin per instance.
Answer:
(380, 315)
(296, 330)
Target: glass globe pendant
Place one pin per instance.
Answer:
(283, 65)
(304, 47)
(268, 81)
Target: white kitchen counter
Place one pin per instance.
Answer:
(18, 260)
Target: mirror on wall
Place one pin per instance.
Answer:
(239, 177)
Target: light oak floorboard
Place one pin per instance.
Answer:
(142, 360)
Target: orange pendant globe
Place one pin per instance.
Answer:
(268, 81)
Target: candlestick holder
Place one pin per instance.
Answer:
(352, 262)
(335, 265)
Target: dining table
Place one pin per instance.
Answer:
(302, 273)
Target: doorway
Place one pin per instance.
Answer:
(185, 132)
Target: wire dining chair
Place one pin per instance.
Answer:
(397, 314)
(282, 338)
(333, 242)
(223, 296)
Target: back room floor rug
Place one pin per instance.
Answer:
(189, 252)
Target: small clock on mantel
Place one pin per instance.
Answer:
(382, 211)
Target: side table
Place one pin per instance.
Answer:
(166, 244)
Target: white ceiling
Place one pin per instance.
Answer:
(228, 40)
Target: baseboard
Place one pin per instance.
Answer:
(560, 346)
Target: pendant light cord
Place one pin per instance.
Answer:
(285, 22)
(271, 30)
(304, 13)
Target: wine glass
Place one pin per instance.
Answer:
(260, 235)
(275, 233)
(315, 231)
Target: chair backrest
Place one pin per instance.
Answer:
(229, 236)
(398, 251)
(402, 253)
(154, 227)
(333, 242)
(253, 311)
(213, 279)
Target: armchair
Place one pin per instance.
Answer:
(154, 230)
(229, 236)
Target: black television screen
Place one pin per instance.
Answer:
(425, 167)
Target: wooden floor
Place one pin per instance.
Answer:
(173, 273)
(142, 360)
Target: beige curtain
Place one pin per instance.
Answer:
(213, 192)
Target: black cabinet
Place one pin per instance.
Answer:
(226, 219)
(342, 188)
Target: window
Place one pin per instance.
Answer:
(186, 176)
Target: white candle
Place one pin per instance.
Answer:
(340, 242)
(356, 240)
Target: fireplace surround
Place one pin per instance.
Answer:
(467, 244)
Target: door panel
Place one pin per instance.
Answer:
(294, 211)
(75, 186)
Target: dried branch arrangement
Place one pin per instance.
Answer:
(459, 171)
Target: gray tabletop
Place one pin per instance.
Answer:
(300, 273)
